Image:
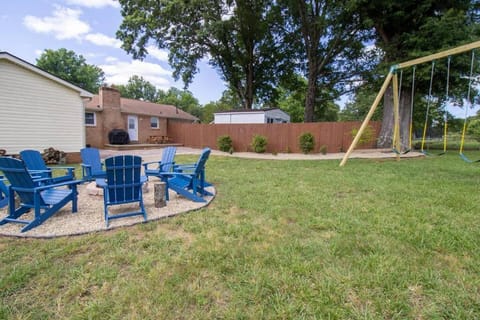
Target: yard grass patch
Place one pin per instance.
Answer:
(375, 239)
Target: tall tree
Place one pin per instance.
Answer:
(69, 66)
(138, 88)
(228, 101)
(330, 36)
(239, 38)
(182, 99)
(409, 29)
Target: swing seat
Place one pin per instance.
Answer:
(466, 159)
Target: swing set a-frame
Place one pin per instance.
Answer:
(392, 78)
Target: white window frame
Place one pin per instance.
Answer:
(158, 123)
(94, 119)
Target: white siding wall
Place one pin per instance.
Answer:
(38, 113)
(240, 117)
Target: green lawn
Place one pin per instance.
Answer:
(282, 240)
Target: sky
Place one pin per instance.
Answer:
(88, 28)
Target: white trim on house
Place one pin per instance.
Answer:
(94, 124)
(154, 123)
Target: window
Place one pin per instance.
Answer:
(90, 119)
(154, 124)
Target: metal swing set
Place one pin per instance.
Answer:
(392, 78)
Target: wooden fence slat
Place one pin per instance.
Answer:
(284, 137)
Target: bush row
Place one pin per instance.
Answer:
(306, 142)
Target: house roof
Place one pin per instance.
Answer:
(250, 111)
(139, 107)
(22, 63)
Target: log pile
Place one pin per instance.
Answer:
(52, 156)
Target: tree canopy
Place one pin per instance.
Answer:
(69, 66)
(329, 37)
(181, 99)
(410, 29)
(239, 39)
(138, 88)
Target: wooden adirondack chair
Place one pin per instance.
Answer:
(45, 200)
(164, 165)
(123, 184)
(92, 167)
(37, 167)
(3, 193)
(190, 183)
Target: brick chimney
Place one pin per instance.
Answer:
(109, 100)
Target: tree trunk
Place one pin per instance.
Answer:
(311, 91)
(385, 138)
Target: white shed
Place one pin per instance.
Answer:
(252, 116)
(39, 110)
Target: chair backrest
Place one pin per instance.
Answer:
(91, 157)
(17, 174)
(123, 178)
(202, 160)
(34, 161)
(168, 156)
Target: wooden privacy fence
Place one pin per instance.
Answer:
(282, 137)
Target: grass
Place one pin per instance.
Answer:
(376, 239)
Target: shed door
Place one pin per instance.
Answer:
(133, 128)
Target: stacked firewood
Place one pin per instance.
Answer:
(52, 156)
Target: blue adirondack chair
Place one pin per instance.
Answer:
(3, 193)
(45, 200)
(164, 165)
(37, 167)
(92, 167)
(190, 183)
(123, 184)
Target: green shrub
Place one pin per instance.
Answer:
(225, 143)
(367, 135)
(306, 142)
(473, 129)
(259, 144)
(323, 149)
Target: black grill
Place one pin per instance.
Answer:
(118, 136)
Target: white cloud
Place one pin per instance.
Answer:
(38, 52)
(95, 3)
(64, 23)
(111, 59)
(161, 55)
(103, 40)
(118, 72)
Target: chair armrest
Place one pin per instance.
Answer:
(184, 167)
(171, 174)
(61, 184)
(39, 171)
(63, 168)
